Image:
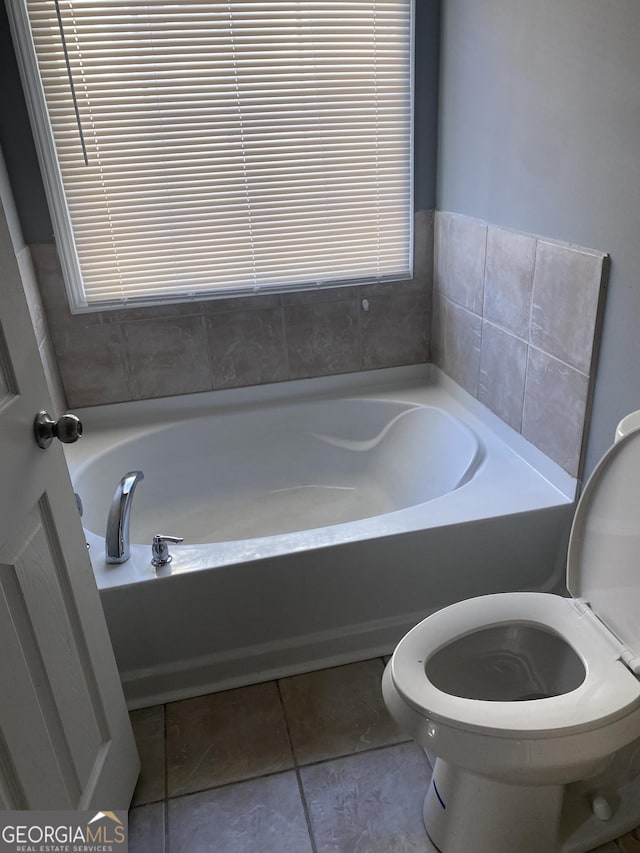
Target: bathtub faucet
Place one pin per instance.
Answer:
(116, 542)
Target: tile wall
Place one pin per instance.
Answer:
(137, 353)
(41, 329)
(511, 317)
(515, 322)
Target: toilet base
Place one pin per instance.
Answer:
(464, 811)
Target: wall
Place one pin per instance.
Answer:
(36, 310)
(515, 320)
(137, 353)
(539, 132)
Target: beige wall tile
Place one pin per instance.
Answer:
(441, 223)
(166, 357)
(462, 339)
(466, 253)
(554, 410)
(32, 293)
(247, 347)
(503, 364)
(91, 363)
(395, 329)
(323, 338)
(52, 375)
(438, 326)
(566, 291)
(509, 280)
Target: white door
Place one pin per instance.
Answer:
(65, 737)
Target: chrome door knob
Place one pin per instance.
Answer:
(67, 429)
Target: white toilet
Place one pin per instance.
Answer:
(530, 701)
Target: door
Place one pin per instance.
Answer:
(65, 737)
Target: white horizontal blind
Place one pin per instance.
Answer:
(219, 145)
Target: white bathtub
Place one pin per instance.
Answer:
(321, 520)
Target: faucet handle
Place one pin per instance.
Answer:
(160, 555)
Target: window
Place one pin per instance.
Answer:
(213, 147)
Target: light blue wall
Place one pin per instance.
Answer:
(540, 131)
(17, 144)
(427, 60)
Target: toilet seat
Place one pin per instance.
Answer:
(600, 624)
(608, 692)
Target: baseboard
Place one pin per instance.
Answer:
(218, 671)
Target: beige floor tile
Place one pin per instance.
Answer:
(148, 729)
(225, 737)
(146, 829)
(260, 816)
(337, 711)
(369, 802)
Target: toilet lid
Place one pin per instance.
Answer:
(603, 566)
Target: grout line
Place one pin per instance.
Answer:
(286, 722)
(219, 786)
(530, 320)
(484, 271)
(285, 338)
(531, 302)
(166, 751)
(295, 767)
(204, 331)
(506, 330)
(358, 752)
(559, 360)
(165, 815)
(305, 809)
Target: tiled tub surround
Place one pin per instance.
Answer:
(515, 322)
(139, 353)
(307, 764)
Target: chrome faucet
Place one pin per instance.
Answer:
(116, 543)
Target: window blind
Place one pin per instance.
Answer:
(219, 146)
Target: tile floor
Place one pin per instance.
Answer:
(307, 764)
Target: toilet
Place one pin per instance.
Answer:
(530, 702)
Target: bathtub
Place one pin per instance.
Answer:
(321, 520)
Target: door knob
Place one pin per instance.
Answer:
(67, 429)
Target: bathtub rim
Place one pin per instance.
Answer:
(393, 383)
